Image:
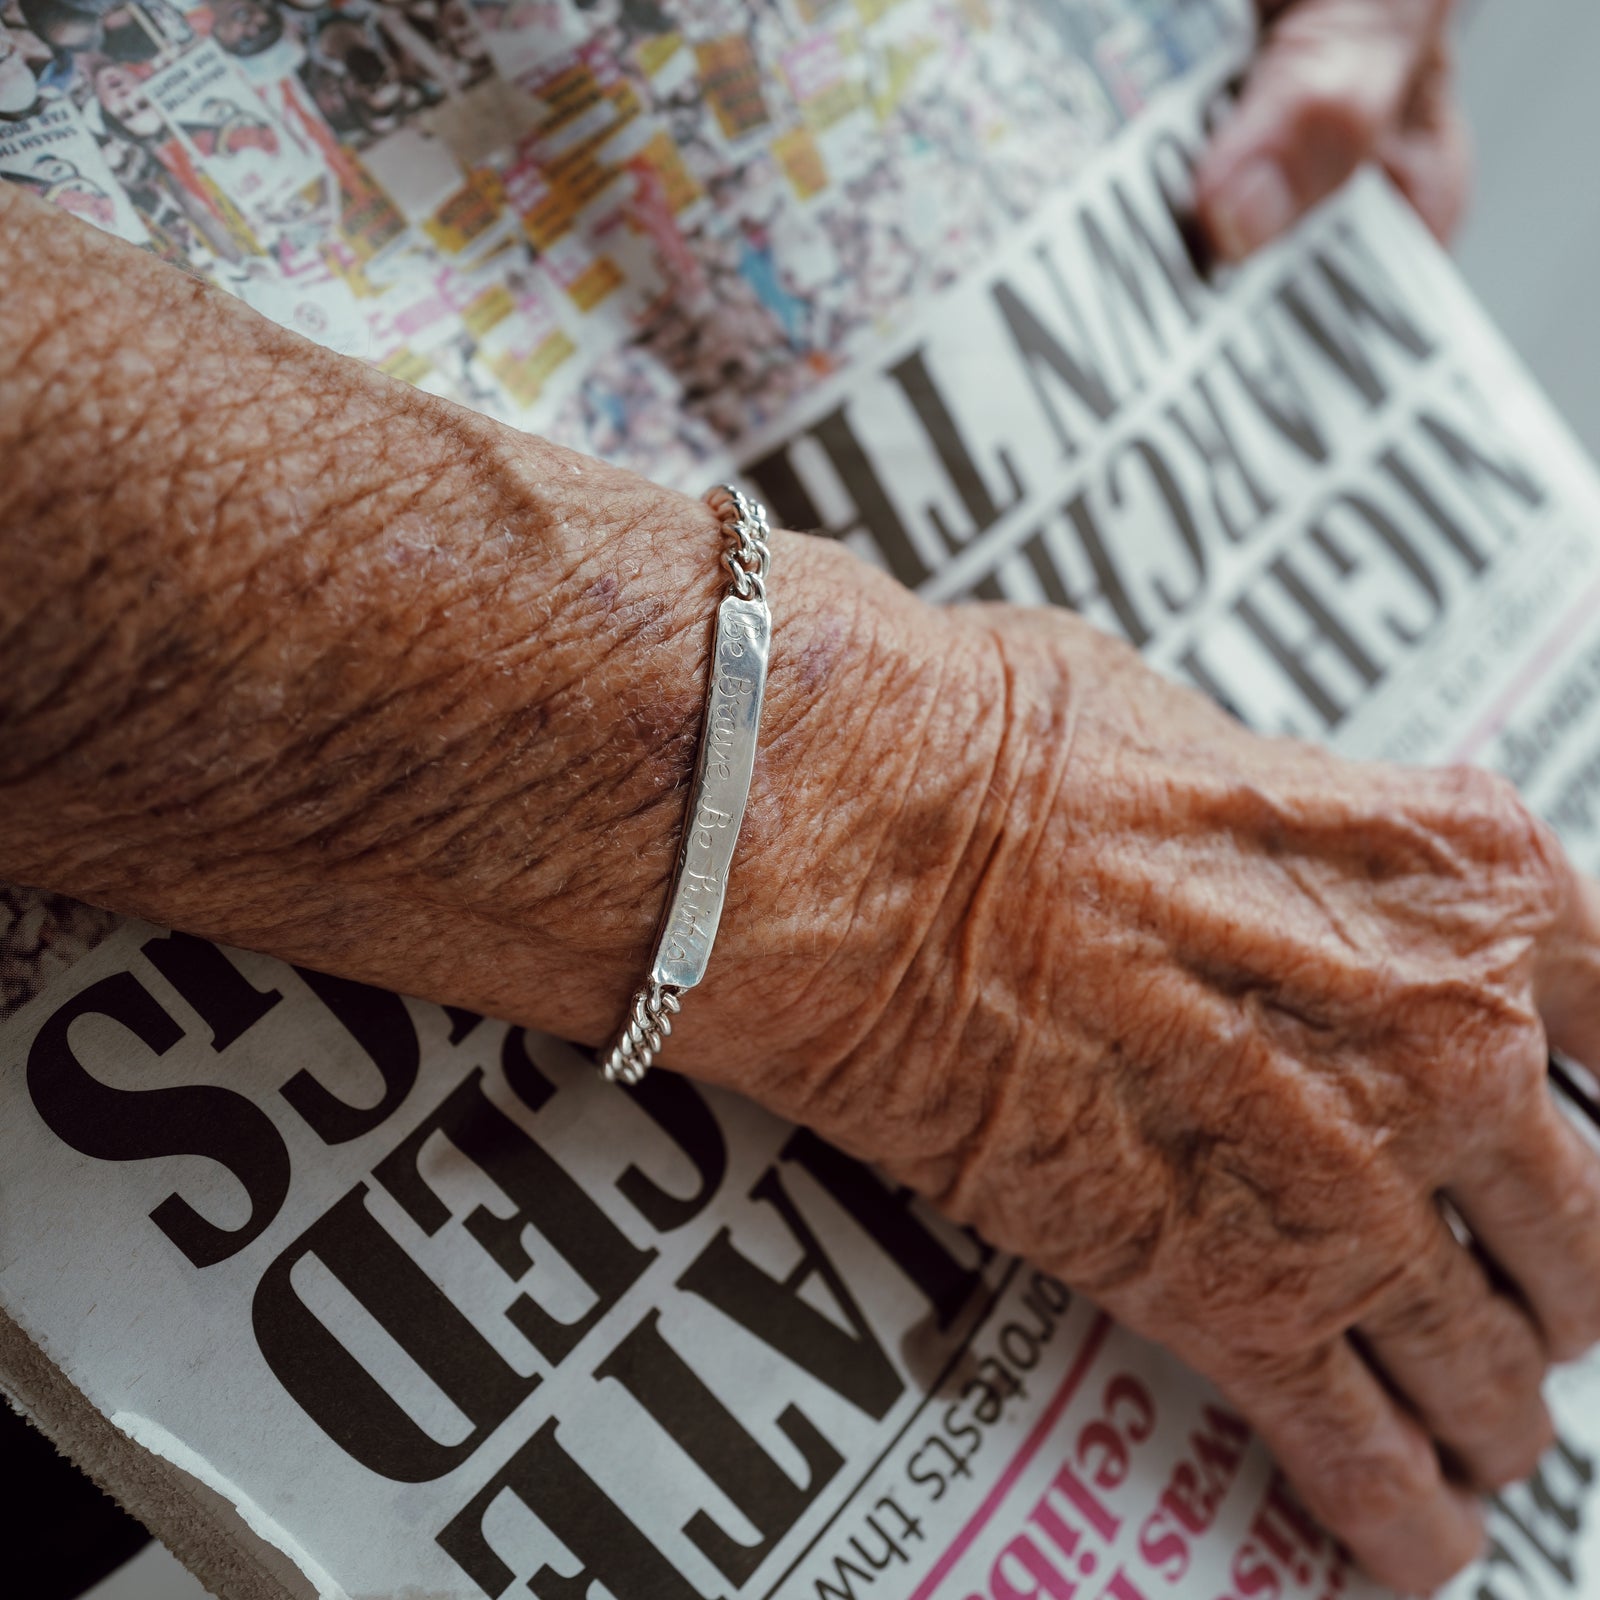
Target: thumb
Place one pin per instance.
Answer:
(1332, 78)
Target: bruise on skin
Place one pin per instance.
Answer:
(1197, 1021)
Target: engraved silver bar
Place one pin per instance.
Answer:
(721, 788)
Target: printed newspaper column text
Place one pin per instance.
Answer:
(181, 1008)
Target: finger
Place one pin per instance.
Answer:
(1532, 1198)
(1466, 1358)
(1365, 1468)
(1429, 153)
(1567, 979)
(1332, 78)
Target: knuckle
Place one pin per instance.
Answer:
(1377, 1489)
(1523, 1060)
(1484, 1412)
(1517, 1365)
(1499, 1082)
(1488, 812)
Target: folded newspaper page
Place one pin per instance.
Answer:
(350, 1295)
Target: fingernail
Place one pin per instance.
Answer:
(1253, 208)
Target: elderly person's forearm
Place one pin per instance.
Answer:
(1206, 1024)
(297, 656)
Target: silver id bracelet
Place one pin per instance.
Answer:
(721, 787)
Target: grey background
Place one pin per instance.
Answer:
(1531, 248)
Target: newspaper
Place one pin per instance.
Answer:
(435, 1312)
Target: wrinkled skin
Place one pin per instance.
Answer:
(1205, 1024)
(1208, 1025)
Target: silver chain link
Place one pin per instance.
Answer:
(745, 522)
(649, 1022)
(747, 558)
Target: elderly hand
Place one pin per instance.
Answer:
(1210, 1026)
(1205, 1024)
(1337, 83)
